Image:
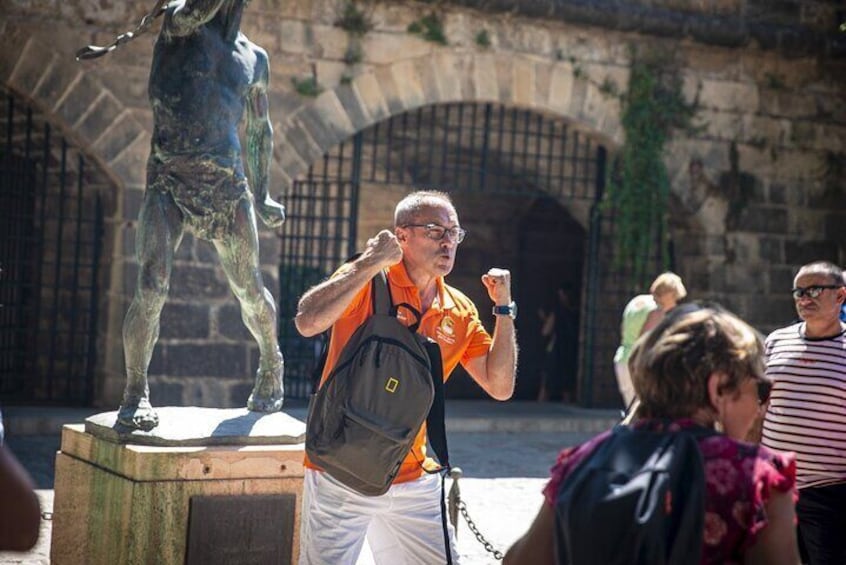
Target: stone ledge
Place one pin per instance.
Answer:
(199, 427)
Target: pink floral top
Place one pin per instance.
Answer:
(739, 478)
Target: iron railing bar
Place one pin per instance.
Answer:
(356, 190)
(539, 135)
(562, 177)
(388, 149)
(375, 146)
(501, 170)
(57, 266)
(486, 134)
(325, 188)
(456, 164)
(431, 141)
(339, 206)
(402, 146)
(10, 117)
(471, 158)
(77, 250)
(92, 322)
(39, 268)
(444, 144)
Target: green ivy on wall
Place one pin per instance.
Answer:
(639, 187)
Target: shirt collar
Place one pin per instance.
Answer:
(399, 277)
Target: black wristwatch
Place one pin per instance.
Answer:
(509, 310)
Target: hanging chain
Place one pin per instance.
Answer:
(472, 525)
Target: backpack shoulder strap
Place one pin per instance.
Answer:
(380, 296)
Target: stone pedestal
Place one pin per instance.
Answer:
(232, 497)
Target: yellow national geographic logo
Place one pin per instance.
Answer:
(391, 385)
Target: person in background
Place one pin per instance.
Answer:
(20, 512)
(701, 366)
(560, 331)
(807, 412)
(640, 315)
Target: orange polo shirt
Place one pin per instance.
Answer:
(452, 321)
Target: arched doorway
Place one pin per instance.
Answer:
(51, 236)
(512, 173)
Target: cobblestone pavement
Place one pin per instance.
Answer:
(503, 476)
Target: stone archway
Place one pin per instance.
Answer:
(551, 88)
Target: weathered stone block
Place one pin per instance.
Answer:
(801, 252)
(484, 78)
(29, 71)
(771, 249)
(372, 98)
(763, 219)
(131, 504)
(781, 278)
(197, 282)
(229, 323)
(184, 321)
(222, 360)
(130, 165)
(166, 392)
(132, 200)
(118, 137)
(188, 246)
(427, 75)
(103, 113)
(408, 83)
(769, 311)
(355, 110)
(729, 95)
(561, 89)
(390, 92)
(383, 48)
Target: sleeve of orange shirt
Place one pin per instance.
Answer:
(478, 339)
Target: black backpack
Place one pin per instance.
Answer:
(387, 381)
(639, 498)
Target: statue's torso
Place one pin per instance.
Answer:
(198, 88)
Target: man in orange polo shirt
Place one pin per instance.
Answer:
(406, 524)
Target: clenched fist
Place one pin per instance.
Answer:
(384, 249)
(498, 284)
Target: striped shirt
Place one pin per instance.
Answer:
(807, 411)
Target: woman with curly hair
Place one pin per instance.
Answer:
(701, 368)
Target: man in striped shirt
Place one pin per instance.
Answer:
(807, 408)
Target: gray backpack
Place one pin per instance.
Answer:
(387, 382)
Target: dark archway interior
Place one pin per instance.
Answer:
(543, 247)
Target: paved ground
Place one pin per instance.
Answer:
(505, 464)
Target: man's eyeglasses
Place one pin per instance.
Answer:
(812, 291)
(436, 232)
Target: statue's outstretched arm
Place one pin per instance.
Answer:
(260, 145)
(191, 14)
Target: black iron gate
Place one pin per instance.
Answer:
(51, 228)
(475, 150)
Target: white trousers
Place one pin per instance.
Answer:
(404, 526)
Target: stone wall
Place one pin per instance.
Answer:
(772, 116)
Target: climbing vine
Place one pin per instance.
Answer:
(639, 187)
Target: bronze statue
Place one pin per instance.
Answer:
(204, 74)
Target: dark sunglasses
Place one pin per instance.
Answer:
(764, 390)
(812, 291)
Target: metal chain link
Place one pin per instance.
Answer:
(462, 507)
(47, 516)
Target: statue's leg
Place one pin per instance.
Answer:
(239, 256)
(159, 233)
